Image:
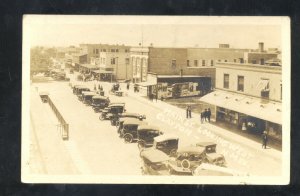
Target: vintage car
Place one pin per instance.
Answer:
(206, 169)
(211, 155)
(155, 162)
(115, 120)
(87, 97)
(129, 128)
(99, 102)
(115, 88)
(120, 93)
(113, 109)
(146, 135)
(44, 96)
(187, 160)
(78, 89)
(166, 143)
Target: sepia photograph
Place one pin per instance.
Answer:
(155, 99)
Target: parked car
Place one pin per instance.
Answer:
(146, 135)
(87, 97)
(115, 120)
(113, 109)
(154, 162)
(187, 160)
(167, 143)
(129, 129)
(211, 155)
(115, 88)
(206, 169)
(99, 102)
(79, 89)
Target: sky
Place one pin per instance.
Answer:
(67, 31)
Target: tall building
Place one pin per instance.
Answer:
(139, 63)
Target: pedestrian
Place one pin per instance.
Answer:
(202, 116)
(208, 114)
(205, 115)
(264, 139)
(187, 111)
(190, 111)
(98, 86)
(128, 86)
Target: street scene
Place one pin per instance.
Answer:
(193, 108)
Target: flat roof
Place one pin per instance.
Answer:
(178, 76)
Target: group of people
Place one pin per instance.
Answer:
(205, 115)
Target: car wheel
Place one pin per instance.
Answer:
(101, 117)
(128, 138)
(185, 164)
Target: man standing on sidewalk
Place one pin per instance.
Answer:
(264, 139)
(187, 111)
(190, 111)
(208, 114)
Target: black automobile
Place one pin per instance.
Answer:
(167, 143)
(128, 129)
(212, 156)
(115, 120)
(115, 88)
(79, 89)
(99, 102)
(113, 109)
(146, 135)
(187, 160)
(87, 97)
(155, 162)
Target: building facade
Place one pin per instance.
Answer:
(139, 64)
(248, 98)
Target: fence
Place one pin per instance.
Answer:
(63, 126)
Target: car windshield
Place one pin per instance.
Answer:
(158, 166)
(210, 149)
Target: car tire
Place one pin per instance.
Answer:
(185, 164)
(128, 138)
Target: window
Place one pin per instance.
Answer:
(203, 62)
(211, 62)
(112, 50)
(127, 61)
(104, 50)
(262, 61)
(241, 60)
(126, 50)
(234, 60)
(174, 63)
(253, 61)
(112, 61)
(226, 81)
(195, 63)
(188, 63)
(117, 50)
(225, 60)
(240, 86)
(97, 51)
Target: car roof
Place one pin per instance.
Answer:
(89, 93)
(165, 137)
(132, 121)
(154, 155)
(191, 149)
(99, 97)
(205, 143)
(148, 127)
(117, 104)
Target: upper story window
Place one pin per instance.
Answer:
(104, 50)
(196, 63)
(253, 61)
(263, 87)
(126, 50)
(127, 61)
(211, 62)
(262, 61)
(240, 85)
(234, 60)
(97, 51)
(188, 63)
(113, 61)
(226, 81)
(225, 60)
(117, 50)
(112, 50)
(203, 62)
(174, 63)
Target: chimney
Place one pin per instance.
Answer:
(261, 46)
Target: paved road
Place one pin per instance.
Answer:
(96, 148)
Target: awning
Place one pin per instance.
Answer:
(263, 85)
(269, 111)
(90, 66)
(102, 71)
(146, 83)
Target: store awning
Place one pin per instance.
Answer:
(102, 72)
(89, 66)
(269, 111)
(146, 83)
(263, 85)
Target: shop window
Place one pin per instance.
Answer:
(241, 60)
(226, 81)
(240, 86)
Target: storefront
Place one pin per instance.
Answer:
(245, 113)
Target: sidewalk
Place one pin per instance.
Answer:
(221, 132)
(55, 158)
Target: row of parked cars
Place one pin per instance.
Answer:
(160, 152)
